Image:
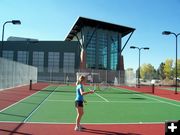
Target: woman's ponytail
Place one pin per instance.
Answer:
(80, 79)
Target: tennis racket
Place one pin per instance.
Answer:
(101, 87)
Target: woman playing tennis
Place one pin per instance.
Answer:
(79, 101)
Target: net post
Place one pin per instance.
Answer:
(153, 86)
(30, 85)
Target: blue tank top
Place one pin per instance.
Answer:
(79, 97)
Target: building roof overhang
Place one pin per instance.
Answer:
(81, 22)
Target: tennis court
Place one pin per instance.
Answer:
(55, 105)
(171, 88)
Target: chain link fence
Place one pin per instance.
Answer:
(92, 75)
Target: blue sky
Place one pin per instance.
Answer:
(52, 20)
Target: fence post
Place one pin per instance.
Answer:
(153, 88)
(30, 85)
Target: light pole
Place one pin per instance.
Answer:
(15, 22)
(139, 49)
(176, 35)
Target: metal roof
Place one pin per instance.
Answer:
(81, 22)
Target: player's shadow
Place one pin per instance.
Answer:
(105, 132)
(13, 129)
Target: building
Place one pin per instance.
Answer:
(100, 43)
(101, 47)
(12, 38)
(90, 46)
(54, 59)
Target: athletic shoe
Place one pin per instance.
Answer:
(77, 128)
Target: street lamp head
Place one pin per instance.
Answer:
(166, 32)
(16, 22)
(132, 47)
(146, 48)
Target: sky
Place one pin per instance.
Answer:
(51, 20)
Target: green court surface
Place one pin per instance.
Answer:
(55, 104)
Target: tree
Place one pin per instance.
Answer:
(160, 71)
(148, 72)
(178, 69)
(168, 70)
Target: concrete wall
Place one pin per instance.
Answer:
(14, 74)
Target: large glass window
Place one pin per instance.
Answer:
(23, 57)
(114, 53)
(8, 55)
(102, 50)
(91, 51)
(69, 62)
(53, 62)
(38, 61)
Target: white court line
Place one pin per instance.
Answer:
(134, 102)
(44, 122)
(39, 106)
(123, 123)
(159, 100)
(102, 97)
(153, 98)
(22, 100)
